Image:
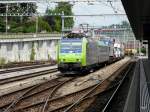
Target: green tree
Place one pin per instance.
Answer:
(143, 50)
(55, 22)
(125, 24)
(50, 19)
(32, 56)
(15, 21)
(43, 25)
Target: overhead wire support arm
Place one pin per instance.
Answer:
(18, 1)
(59, 14)
(67, 16)
(110, 1)
(63, 22)
(6, 18)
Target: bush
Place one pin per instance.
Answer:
(2, 61)
(143, 50)
(43, 26)
(32, 56)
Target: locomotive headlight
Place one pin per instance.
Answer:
(78, 59)
(62, 60)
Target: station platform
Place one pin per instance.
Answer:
(138, 99)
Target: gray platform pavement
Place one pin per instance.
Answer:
(24, 72)
(138, 99)
(144, 85)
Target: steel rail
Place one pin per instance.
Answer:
(93, 89)
(16, 101)
(103, 92)
(52, 93)
(85, 90)
(25, 94)
(118, 87)
(25, 76)
(30, 95)
(80, 99)
(8, 70)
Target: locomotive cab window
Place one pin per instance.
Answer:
(71, 46)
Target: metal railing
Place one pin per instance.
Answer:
(28, 35)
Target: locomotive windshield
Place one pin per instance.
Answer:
(71, 46)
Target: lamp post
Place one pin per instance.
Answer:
(63, 23)
(6, 18)
(36, 25)
(139, 48)
(115, 32)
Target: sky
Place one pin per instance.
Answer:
(97, 8)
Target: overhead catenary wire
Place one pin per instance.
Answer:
(74, 1)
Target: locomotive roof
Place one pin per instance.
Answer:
(75, 35)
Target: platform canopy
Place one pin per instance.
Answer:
(18, 1)
(138, 12)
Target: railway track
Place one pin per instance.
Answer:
(86, 100)
(8, 70)
(104, 101)
(41, 92)
(25, 76)
(117, 91)
(67, 102)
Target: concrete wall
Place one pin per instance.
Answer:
(18, 51)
